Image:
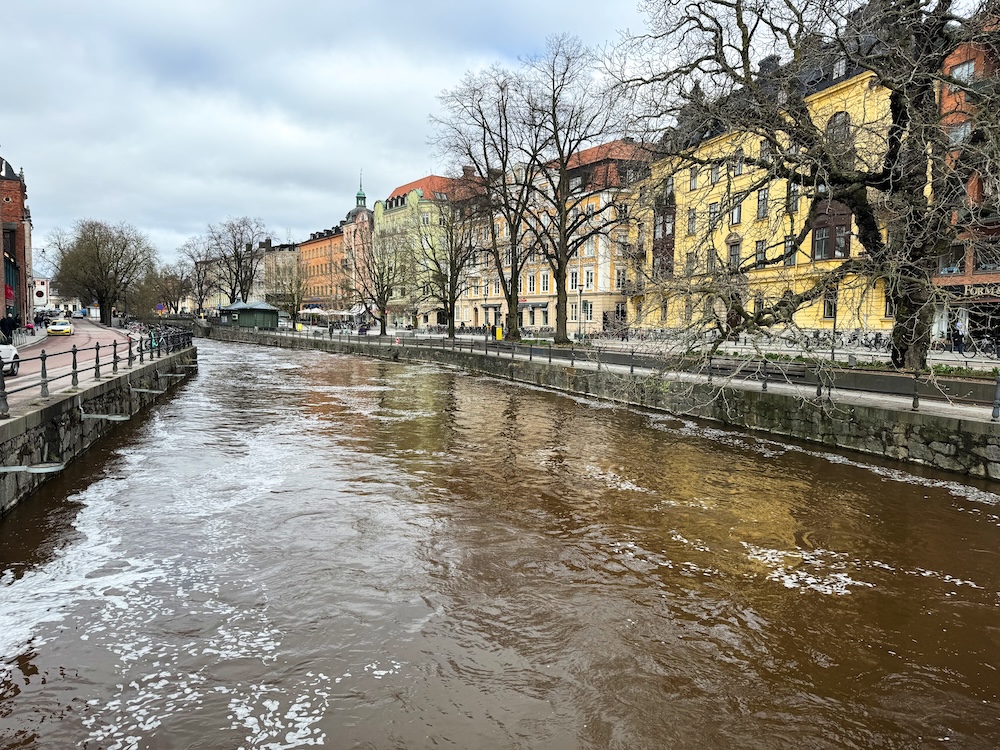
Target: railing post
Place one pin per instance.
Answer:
(916, 393)
(114, 357)
(550, 353)
(530, 358)
(76, 378)
(141, 354)
(97, 361)
(4, 407)
(45, 376)
(710, 369)
(763, 385)
(996, 402)
(572, 356)
(819, 384)
(159, 347)
(631, 363)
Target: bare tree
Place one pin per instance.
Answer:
(379, 269)
(173, 285)
(487, 128)
(448, 250)
(750, 76)
(574, 111)
(286, 283)
(102, 262)
(202, 270)
(238, 245)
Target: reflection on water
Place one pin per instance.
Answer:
(307, 549)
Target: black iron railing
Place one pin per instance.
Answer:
(78, 362)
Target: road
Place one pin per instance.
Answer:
(25, 386)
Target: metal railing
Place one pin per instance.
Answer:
(77, 362)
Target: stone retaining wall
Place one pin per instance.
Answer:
(57, 431)
(966, 447)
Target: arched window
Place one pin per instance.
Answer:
(838, 130)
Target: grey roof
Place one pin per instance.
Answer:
(7, 171)
(238, 306)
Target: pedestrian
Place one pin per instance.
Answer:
(958, 336)
(7, 326)
(996, 339)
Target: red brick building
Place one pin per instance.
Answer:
(15, 219)
(971, 272)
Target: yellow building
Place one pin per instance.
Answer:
(715, 226)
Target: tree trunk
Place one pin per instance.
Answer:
(911, 334)
(559, 279)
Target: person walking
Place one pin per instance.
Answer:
(958, 336)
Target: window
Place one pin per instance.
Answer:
(716, 170)
(574, 280)
(693, 179)
(668, 188)
(839, 68)
(830, 304)
(545, 281)
(959, 133)
(842, 242)
(762, 203)
(838, 130)
(713, 215)
(692, 221)
(735, 249)
(821, 243)
(689, 263)
(496, 286)
(588, 311)
(425, 219)
(963, 73)
(794, 190)
(588, 279)
(710, 260)
(588, 247)
(738, 162)
(760, 254)
(531, 283)
(621, 312)
(575, 183)
(790, 251)
(736, 215)
(765, 151)
(619, 278)
(573, 312)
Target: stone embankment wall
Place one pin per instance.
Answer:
(966, 447)
(57, 429)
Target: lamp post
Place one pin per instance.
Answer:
(579, 309)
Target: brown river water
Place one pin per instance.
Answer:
(303, 549)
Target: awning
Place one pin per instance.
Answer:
(491, 304)
(523, 305)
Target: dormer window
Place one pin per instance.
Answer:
(839, 68)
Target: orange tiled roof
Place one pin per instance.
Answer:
(430, 185)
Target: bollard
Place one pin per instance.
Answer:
(819, 384)
(710, 369)
(97, 361)
(529, 353)
(45, 376)
(916, 393)
(631, 363)
(996, 402)
(572, 356)
(550, 354)
(76, 378)
(114, 357)
(763, 385)
(4, 407)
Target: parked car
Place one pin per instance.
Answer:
(79, 314)
(8, 356)
(60, 327)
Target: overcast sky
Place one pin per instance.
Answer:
(173, 115)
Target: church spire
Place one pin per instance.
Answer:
(361, 191)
